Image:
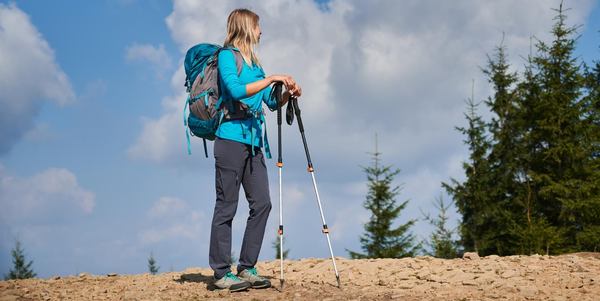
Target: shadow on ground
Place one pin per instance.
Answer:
(208, 280)
(198, 277)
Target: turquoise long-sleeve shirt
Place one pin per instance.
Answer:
(233, 87)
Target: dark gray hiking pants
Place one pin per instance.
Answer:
(235, 166)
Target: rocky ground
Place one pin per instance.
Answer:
(565, 277)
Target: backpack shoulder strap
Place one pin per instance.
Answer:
(239, 60)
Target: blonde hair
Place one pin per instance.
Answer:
(241, 33)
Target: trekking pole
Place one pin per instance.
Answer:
(311, 170)
(277, 92)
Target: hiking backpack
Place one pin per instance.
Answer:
(207, 108)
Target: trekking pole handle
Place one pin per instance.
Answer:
(278, 114)
(279, 157)
(277, 94)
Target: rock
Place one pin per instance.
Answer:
(457, 276)
(10, 295)
(438, 269)
(486, 279)
(407, 276)
(423, 274)
(579, 269)
(437, 278)
(471, 256)
(406, 284)
(528, 291)
(510, 274)
(510, 289)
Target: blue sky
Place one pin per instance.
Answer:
(93, 170)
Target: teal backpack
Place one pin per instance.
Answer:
(207, 108)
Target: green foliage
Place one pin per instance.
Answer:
(471, 197)
(533, 178)
(442, 244)
(277, 247)
(20, 269)
(152, 265)
(381, 239)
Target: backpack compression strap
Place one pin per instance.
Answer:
(189, 100)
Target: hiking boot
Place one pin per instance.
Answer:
(251, 275)
(232, 282)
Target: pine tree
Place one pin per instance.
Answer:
(20, 270)
(533, 178)
(381, 239)
(559, 149)
(277, 247)
(441, 243)
(506, 135)
(471, 197)
(534, 234)
(152, 265)
(589, 237)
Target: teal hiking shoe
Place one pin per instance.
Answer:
(232, 282)
(251, 275)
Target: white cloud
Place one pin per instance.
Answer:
(172, 218)
(53, 194)
(167, 206)
(40, 132)
(28, 76)
(158, 57)
(401, 69)
(162, 138)
(348, 222)
(173, 231)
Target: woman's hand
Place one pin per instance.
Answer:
(296, 90)
(289, 83)
(287, 80)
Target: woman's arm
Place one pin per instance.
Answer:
(229, 73)
(257, 86)
(237, 90)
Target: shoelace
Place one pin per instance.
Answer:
(252, 271)
(231, 276)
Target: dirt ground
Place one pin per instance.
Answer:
(565, 277)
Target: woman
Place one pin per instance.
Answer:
(238, 156)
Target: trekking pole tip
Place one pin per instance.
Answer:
(281, 281)
(337, 277)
